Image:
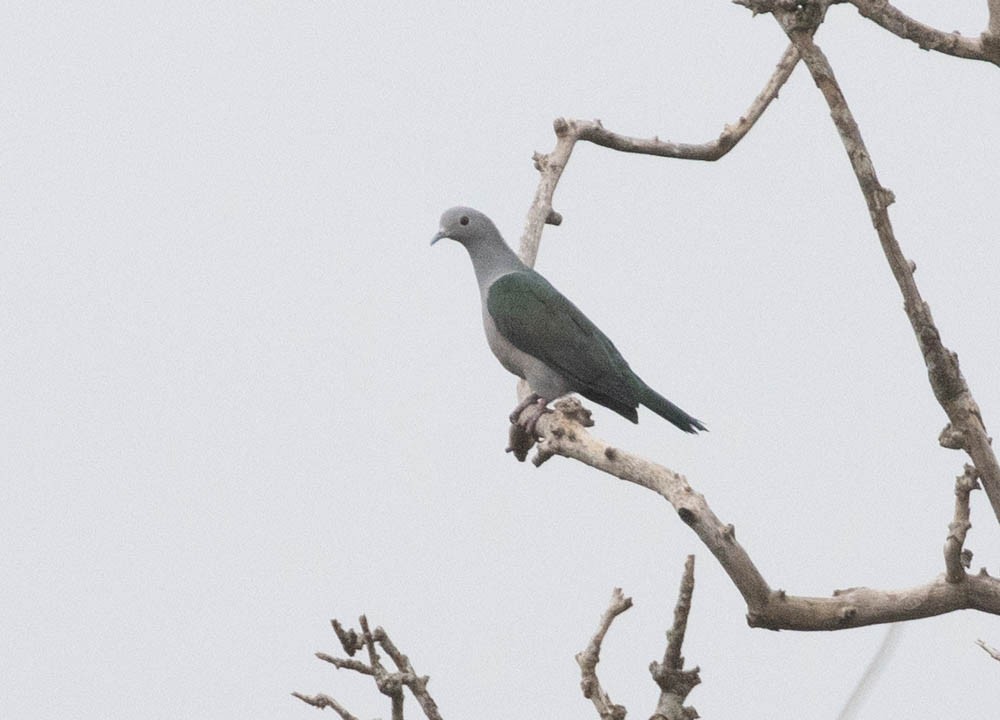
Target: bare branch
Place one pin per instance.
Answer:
(568, 132)
(349, 639)
(956, 559)
(408, 676)
(325, 701)
(854, 607)
(993, 652)
(966, 429)
(562, 435)
(985, 48)
(675, 682)
(591, 655)
(675, 636)
(389, 683)
(346, 664)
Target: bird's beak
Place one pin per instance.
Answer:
(438, 235)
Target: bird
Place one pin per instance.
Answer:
(539, 335)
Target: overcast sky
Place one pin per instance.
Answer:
(241, 395)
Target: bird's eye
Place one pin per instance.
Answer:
(464, 220)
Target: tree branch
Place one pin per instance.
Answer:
(591, 655)
(569, 131)
(389, 683)
(965, 429)
(325, 701)
(956, 560)
(561, 434)
(675, 682)
(986, 47)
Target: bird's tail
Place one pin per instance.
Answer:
(668, 411)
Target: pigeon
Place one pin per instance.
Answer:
(539, 335)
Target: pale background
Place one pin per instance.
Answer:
(241, 395)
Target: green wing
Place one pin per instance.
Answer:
(537, 319)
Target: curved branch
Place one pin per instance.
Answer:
(985, 48)
(591, 655)
(569, 131)
(563, 435)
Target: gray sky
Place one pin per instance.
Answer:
(242, 395)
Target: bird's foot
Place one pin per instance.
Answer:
(536, 406)
(524, 420)
(530, 399)
(533, 415)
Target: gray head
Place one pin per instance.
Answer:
(466, 226)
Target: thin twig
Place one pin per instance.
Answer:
(325, 701)
(389, 683)
(675, 636)
(568, 131)
(674, 681)
(956, 559)
(591, 655)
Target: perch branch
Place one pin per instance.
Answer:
(591, 655)
(568, 132)
(389, 683)
(561, 434)
(986, 47)
(965, 429)
(674, 681)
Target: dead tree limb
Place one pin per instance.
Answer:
(986, 47)
(965, 429)
(389, 683)
(562, 434)
(590, 684)
(675, 682)
(568, 132)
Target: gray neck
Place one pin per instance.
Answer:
(492, 258)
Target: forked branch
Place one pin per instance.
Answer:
(674, 681)
(390, 683)
(564, 434)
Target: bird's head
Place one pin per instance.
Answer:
(464, 225)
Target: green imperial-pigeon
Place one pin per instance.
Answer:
(539, 335)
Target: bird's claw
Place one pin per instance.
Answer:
(537, 406)
(529, 399)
